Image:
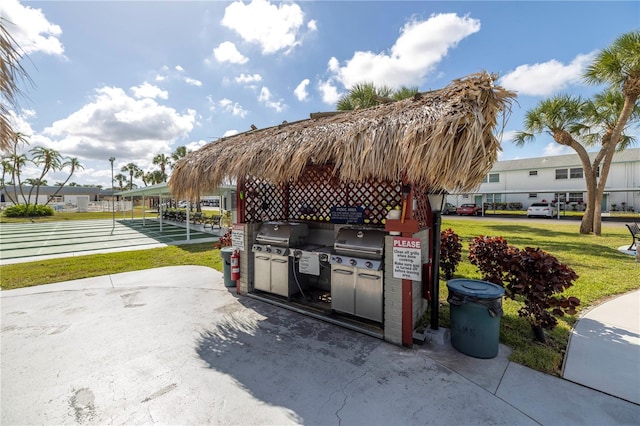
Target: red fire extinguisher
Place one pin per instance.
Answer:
(235, 265)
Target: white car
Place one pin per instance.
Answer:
(542, 209)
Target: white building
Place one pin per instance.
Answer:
(559, 177)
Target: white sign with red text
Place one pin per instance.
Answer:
(407, 258)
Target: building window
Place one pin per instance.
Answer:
(465, 196)
(494, 198)
(575, 197)
(562, 174)
(491, 178)
(533, 195)
(576, 173)
(533, 173)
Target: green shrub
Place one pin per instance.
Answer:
(28, 210)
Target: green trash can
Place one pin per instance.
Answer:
(475, 309)
(225, 253)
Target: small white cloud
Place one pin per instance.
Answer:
(230, 133)
(160, 77)
(179, 68)
(192, 81)
(227, 52)
(233, 107)
(547, 78)
(195, 145)
(146, 90)
(30, 29)
(273, 27)
(553, 148)
(265, 97)
(301, 90)
(312, 25)
(246, 78)
(329, 91)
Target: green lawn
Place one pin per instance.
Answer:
(603, 272)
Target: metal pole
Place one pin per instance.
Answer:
(435, 291)
(113, 202)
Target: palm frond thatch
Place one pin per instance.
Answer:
(442, 139)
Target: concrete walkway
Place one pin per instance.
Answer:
(174, 346)
(604, 349)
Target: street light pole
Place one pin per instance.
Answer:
(113, 202)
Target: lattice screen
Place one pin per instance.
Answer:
(311, 197)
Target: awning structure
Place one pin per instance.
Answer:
(163, 190)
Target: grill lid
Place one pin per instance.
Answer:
(284, 234)
(360, 242)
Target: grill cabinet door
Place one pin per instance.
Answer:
(342, 289)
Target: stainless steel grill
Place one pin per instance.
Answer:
(356, 272)
(272, 264)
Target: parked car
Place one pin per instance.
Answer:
(542, 210)
(469, 209)
(448, 209)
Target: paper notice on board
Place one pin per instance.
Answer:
(237, 237)
(309, 263)
(407, 258)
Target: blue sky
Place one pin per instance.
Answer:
(135, 79)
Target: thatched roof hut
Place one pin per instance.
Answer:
(443, 139)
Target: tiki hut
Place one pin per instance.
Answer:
(452, 128)
(365, 163)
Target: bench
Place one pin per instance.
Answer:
(213, 221)
(635, 234)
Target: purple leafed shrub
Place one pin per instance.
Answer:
(450, 252)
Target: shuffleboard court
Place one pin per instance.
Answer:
(21, 242)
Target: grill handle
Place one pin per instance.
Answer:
(273, 241)
(358, 252)
(369, 276)
(343, 272)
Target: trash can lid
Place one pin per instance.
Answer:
(227, 249)
(476, 288)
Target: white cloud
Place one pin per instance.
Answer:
(31, 29)
(246, 78)
(192, 81)
(227, 52)
(179, 68)
(547, 78)
(196, 145)
(301, 90)
(230, 133)
(329, 91)
(146, 90)
(312, 25)
(553, 148)
(419, 48)
(233, 107)
(160, 77)
(273, 27)
(115, 123)
(265, 97)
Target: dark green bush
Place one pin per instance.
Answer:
(28, 210)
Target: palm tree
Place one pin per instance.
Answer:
(11, 72)
(577, 123)
(367, 94)
(73, 164)
(134, 171)
(179, 153)
(619, 67)
(49, 159)
(121, 179)
(163, 161)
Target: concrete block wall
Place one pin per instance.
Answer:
(246, 257)
(392, 297)
(393, 292)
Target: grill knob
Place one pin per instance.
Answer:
(338, 259)
(368, 264)
(258, 248)
(268, 249)
(353, 262)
